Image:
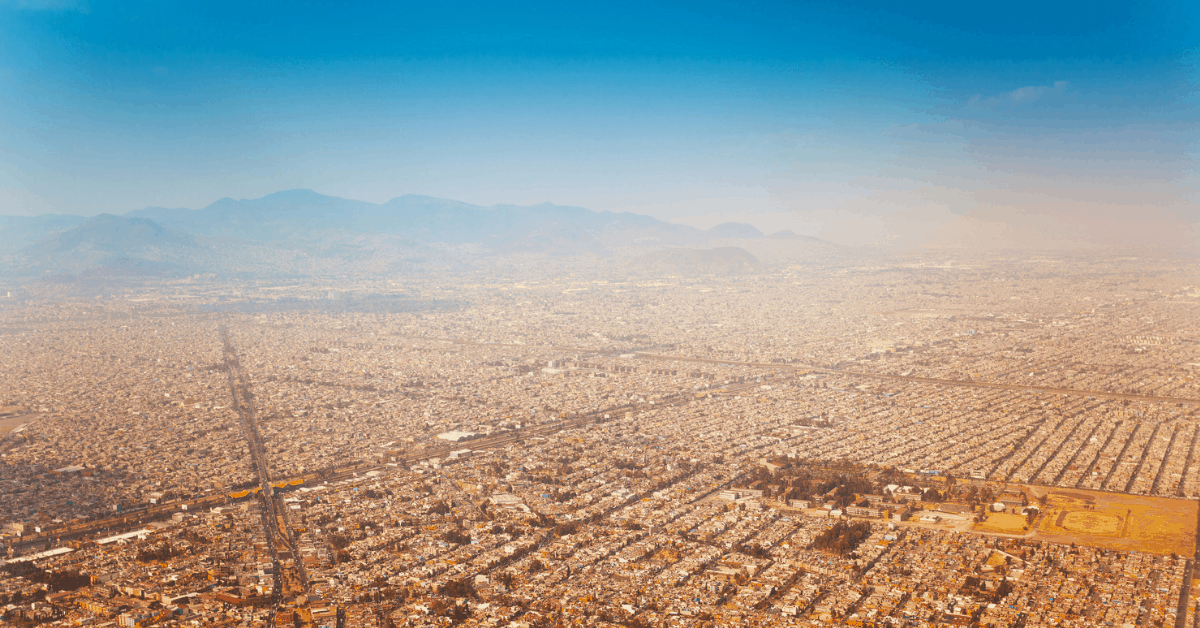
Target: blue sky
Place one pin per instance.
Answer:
(786, 115)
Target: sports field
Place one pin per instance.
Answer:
(1118, 521)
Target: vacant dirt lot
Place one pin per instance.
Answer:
(1004, 523)
(1117, 521)
(7, 424)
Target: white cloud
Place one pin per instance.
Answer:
(1021, 95)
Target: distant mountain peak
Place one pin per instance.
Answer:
(297, 193)
(788, 234)
(304, 231)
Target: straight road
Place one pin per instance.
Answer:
(288, 580)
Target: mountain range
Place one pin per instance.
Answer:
(301, 232)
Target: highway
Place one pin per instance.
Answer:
(288, 579)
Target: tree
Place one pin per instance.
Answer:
(456, 536)
(842, 538)
(459, 588)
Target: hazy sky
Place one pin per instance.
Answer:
(783, 115)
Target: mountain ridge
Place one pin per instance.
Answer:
(303, 231)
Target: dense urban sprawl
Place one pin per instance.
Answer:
(914, 442)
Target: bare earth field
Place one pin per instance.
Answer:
(1004, 523)
(1118, 521)
(9, 424)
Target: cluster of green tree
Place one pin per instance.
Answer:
(843, 487)
(498, 468)
(395, 544)
(754, 550)
(19, 597)
(628, 465)
(459, 588)
(159, 553)
(842, 538)
(560, 496)
(67, 580)
(438, 507)
(322, 520)
(797, 480)
(505, 578)
(566, 528)
(456, 536)
(546, 478)
(191, 536)
(457, 613)
(993, 595)
(513, 530)
(975, 495)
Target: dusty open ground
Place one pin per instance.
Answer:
(1158, 525)
(8, 424)
(1004, 523)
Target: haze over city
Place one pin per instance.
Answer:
(526, 316)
